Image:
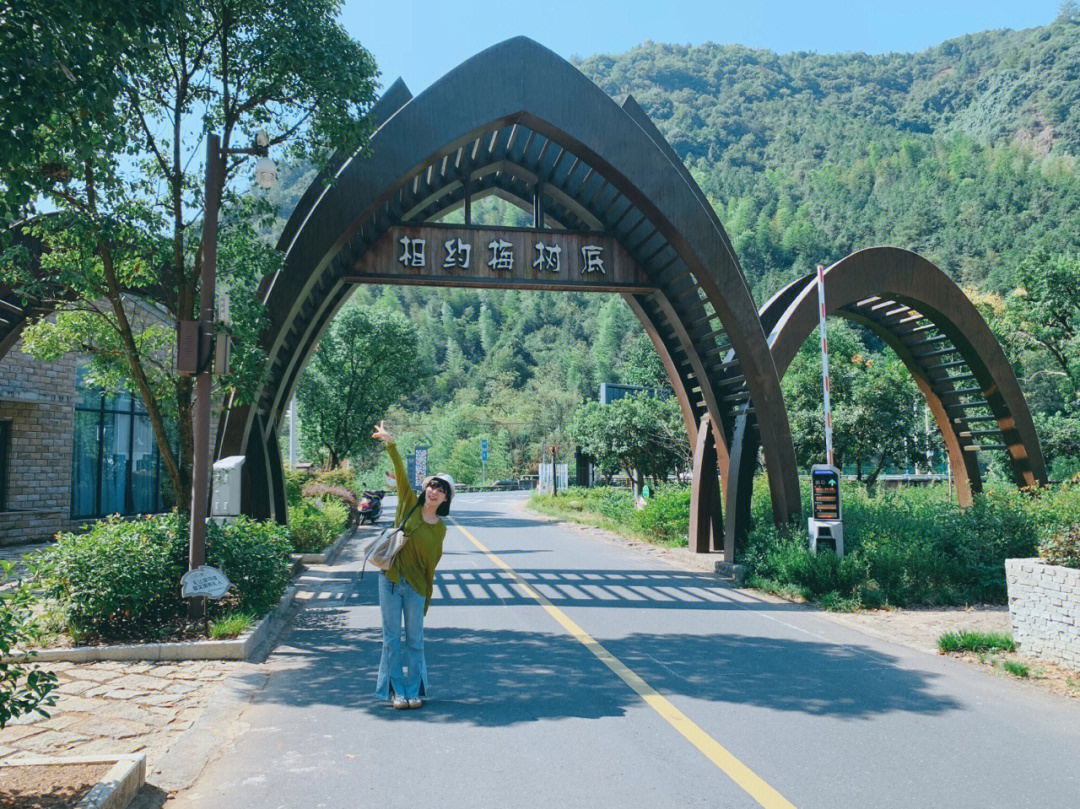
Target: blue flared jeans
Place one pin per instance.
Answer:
(402, 671)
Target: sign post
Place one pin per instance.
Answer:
(825, 365)
(420, 459)
(825, 523)
(826, 520)
(483, 461)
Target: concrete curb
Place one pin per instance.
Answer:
(235, 649)
(218, 723)
(115, 790)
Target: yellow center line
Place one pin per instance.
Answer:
(738, 772)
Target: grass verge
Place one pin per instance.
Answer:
(230, 625)
(967, 641)
(1016, 668)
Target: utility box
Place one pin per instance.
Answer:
(826, 521)
(225, 504)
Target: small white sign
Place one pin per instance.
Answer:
(204, 581)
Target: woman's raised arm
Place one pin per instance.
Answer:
(406, 495)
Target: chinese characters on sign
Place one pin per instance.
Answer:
(501, 254)
(592, 259)
(547, 257)
(529, 258)
(458, 254)
(412, 252)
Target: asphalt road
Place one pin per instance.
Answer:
(568, 671)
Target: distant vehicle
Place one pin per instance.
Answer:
(371, 506)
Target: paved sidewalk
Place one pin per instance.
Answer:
(15, 553)
(117, 707)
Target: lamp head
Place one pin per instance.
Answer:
(265, 172)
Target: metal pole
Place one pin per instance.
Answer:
(200, 476)
(825, 364)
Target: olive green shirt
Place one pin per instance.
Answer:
(417, 559)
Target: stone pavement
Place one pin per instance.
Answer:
(15, 553)
(117, 707)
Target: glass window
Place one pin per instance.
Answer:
(116, 465)
(144, 463)
(115, 452)
(84, 472)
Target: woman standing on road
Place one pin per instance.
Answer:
(405, 589)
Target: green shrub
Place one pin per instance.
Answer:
(1062, 548)
(22, 689)
(904, 546)
(295, 481)
(911, 546)
(968, 641)
(120, 579)
(336, 477)
(317, 491)
(313, 525)
(255, 557)
(666, 517)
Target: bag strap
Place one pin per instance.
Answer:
(411, 510)
(400, 525)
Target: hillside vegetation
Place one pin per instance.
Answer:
(965, 152)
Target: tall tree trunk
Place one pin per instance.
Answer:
(872, 479)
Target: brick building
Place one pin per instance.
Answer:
(70, 454)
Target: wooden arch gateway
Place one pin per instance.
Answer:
(520, 122)
(956, 361)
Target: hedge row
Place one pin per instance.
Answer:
(120, 579)
(902, 547)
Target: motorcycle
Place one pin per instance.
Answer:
(371, 506)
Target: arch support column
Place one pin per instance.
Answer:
(706, 514)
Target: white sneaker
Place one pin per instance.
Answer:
(415, 702)
(399, 702)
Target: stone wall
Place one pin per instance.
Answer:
(1044, 606)
(38, 398)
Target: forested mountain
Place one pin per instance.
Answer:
(966, 152)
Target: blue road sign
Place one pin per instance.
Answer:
(483, 449)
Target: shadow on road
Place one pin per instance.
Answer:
(621, 589)
(505, 677)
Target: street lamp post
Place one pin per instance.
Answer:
(265, 174)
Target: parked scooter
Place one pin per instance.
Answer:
(371, 506)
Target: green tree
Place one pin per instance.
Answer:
(1044, 313)
(125, 177)
(52, 63)
(363, 364)
(641, 435)
(642, 365)
(876, 420)
(1041, 328)
(609, 334)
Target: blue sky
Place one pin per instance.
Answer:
(421, 40)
